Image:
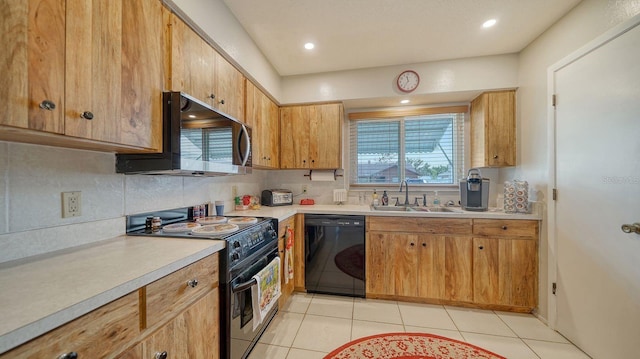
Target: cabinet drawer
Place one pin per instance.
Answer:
(420, 225)
(171, 294)
(98, 334)
(505, 228)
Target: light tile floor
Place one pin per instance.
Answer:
(312, 325)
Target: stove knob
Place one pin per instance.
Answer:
(236, 244)
(235, 257)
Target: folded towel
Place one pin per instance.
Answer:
(288, 255)
(265, 295)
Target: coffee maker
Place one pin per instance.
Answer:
(474, 191)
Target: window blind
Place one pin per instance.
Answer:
(424, 149)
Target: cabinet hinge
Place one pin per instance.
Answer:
(554, 194)
(554, 287)
(553, 100)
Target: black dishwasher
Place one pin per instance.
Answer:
(334, 254)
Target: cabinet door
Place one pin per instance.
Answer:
(325, 138)
(458, 267)
(229, 89)
(294, 137)
(192, 334)
(114, 72)
(192, 63)
(262, 117)
(431, 269)
(392, 264)
(493, 129)
(32, 64)
(505, 271)
(287, 286)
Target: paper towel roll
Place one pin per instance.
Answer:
(322, 176)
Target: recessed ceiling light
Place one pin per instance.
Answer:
(405, 101)
(489, 23)
(309, 45)
(192, 116)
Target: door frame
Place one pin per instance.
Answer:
(581, 52)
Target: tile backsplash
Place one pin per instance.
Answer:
(33, 177)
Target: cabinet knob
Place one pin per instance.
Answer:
(412, 244)
(504, 228)
(192, 283)
(212, 96)
(87, 115)
(495, 157)
(162, 355)
(47, 105)
(481, 247)
(424, 244)
(221, 102)
(69, 355)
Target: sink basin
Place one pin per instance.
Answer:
(437, 209)
(391, 208)
(415, 209)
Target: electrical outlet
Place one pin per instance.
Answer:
(71, 204)
(304, 188)
(234, 191)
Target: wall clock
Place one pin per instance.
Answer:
(408, 81)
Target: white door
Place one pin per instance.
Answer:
(597, 174)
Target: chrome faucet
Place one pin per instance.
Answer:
(406, 194)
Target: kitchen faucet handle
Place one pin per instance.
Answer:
(415, 202)
(397, 201)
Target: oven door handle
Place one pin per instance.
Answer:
(244, 286)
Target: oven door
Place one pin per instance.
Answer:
(243, 337)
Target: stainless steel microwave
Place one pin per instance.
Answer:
(198, 140)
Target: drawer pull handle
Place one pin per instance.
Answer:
(504, 228)
(192, 283)
(69, 355)
(162, 355)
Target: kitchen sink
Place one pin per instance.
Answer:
(391, 208)
(416, 209)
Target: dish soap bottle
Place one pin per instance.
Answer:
(376, 202)
(385, 198)
(436, 200)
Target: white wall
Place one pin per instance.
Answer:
(33, 177)
(585, 22)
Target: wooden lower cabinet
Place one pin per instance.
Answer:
(414, 265)
(287, 285)
(192, 334)
(478, 263)
(187, 325)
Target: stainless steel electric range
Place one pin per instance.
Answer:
(248, 249)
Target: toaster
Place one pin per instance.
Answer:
(276, 197)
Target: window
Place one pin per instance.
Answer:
(424, 149)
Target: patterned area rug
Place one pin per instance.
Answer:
(409, 346)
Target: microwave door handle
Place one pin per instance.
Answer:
(247, 148)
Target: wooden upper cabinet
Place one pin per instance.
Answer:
(311, 136)
(89, 70)
(32, 65)
(229, 89)
(493, 129)
(262, 116)
(192, 62)
(199, 71)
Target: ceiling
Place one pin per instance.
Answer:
(354, 34)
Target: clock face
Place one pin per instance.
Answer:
(408, 81)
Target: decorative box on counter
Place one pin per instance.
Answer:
(516, 197)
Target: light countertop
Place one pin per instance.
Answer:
(41, 294)
(283, 212)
